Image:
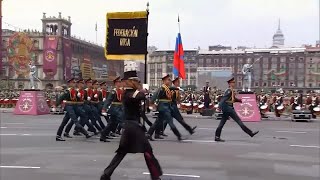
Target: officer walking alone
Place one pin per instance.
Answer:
(226, 105)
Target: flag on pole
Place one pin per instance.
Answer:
(178, 62)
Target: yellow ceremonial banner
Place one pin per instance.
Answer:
(126, 35)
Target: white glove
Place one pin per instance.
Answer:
(89, 98)
(104, 99)
(54, 109)
(79, 94)
(104, 114)
(95, 96)
(180, 89)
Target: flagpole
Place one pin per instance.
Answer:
(179, 23)
(96, 33)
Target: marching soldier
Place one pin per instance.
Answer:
(71, 106)
(226, 105)
(133, 139)
(175, 100)
(165, 109)
(113, 105)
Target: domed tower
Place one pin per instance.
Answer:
(278, 38)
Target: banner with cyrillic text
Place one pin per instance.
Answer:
(126, 37)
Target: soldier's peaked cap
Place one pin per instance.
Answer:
(176, 79)
(117, 79)
(130, 75)
(231, 80)
(70, 80)
(103, 83)
(165, 77)
(89, 80)
(80, 81)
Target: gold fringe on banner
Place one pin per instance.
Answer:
(127, 15)
(128, 57)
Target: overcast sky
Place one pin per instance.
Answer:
(203, 22)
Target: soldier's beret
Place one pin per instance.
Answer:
(165, 77)
(94, 82)
(103, 83)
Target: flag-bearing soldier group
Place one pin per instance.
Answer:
(124, 108)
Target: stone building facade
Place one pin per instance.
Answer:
(87, 58)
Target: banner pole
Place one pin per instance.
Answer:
(146, 53)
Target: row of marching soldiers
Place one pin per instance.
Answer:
(89, 104)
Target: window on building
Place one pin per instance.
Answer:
(310, 85)
(231, 61)
(292, 59)
(282, 84)
(216, 61)
(239, 84)
(224, 61)
(283, 59)
(208, 61)
(273, 66)
(256, 84)
(265, 65)
(300, 65)
(264, 84)
(240, 61)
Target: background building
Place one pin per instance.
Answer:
(87, 59)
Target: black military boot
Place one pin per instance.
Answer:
(157, 136)
(193, 130)
(254, 133)
(59, 138)
(76, 133)
(218, 139)
(67, 135)
(149, 137)
(177, 133)
(102, 139)
(105, 177)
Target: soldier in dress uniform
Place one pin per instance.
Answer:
(164, 97)
(103, 95)
(95, 104)
(113, 105)
(175, 100)
(133, 139)
(71, 106)
(226, 105)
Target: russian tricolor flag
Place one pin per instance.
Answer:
(178, 62)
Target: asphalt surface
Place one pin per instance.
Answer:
(283, 150)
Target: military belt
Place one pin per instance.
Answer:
(165, 100)
(73, 102)
(116, 103)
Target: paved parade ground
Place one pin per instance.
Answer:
(283, 150)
